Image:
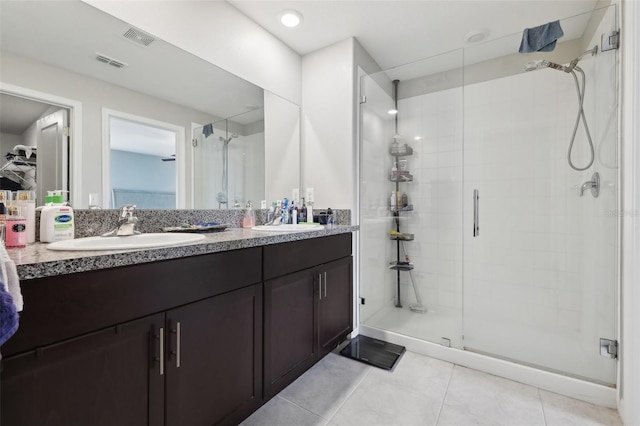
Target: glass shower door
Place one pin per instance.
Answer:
(540, 275)
(421, 299)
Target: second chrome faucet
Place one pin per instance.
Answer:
(126, 224)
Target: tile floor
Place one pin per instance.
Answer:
(338, 391)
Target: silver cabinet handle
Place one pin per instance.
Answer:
(176, 353)
(476, 214)
(161, 351)
(325, 284)
(178, 345)
(320, 280)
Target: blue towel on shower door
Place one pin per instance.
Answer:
(8, 315)
(542, 38)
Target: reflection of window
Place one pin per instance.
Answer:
(142, 166)
(155, 200)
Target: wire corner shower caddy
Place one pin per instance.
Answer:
(398, 204)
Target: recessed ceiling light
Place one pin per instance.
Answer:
(476, 36)
(392, 111)
(290, 18)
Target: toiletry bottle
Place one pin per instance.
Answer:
(271, 212)
(249, 219)
(393, 201)
(292, 211)
(3, 219)
(285, 211)
(26, 200)
(394, 172)
(310, 212)
(56, 220)
(303, 212)
(405, 199)
(15, 228)
(294, 216)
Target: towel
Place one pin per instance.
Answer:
(207, 130)
(542, 38)
(28, 150)
(8, 316)
(9, 280)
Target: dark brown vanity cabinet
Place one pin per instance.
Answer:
(308, 305)
(194, 357)
(214, 365)
(109, 377)
(199, 340)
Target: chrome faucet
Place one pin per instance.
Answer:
(277, 219)
(127, 223)
(593, 184)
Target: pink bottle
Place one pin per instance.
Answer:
(15, 228)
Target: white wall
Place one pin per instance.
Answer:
(7, 142)
(281, 148)
(629, 384)
(130, 170)
(328, 124)
(94, 95)
(220, 34)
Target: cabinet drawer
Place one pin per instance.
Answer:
(61, 307)
(285, 258)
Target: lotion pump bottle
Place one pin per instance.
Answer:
(56, 220)
(249, 219)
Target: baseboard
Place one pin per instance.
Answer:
(553, 382)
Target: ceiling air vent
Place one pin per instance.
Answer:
(138, 37)
(110, 61)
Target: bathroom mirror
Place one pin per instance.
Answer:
(75, 54)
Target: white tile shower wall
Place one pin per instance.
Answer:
(433, 126)
(542, 273)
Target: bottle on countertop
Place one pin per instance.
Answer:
(26, 200)
(249, 219)
(15, 228)
(56, 219)
(303, 212)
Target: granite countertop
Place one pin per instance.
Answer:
(36, 261)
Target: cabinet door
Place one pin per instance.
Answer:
(111, 377)
(214, 359)
(290, 329)
(336, 303)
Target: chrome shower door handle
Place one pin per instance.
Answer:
(476, 214)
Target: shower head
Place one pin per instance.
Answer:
(543, 63)
(227, 140)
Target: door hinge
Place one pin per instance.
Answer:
(363, 99)
(610, 41)
(609, 348)
(362, 300)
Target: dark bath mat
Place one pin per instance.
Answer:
(373, 352)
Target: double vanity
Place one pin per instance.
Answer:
(200, 333)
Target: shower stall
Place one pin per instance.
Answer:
(513, 255)
(228, 162)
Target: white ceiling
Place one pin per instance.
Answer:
(68, 34)
(402, 31)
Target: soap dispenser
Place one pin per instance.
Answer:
(249, 219)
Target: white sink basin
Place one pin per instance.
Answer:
(288, 228)
(139, 241)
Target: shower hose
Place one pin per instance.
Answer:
(580, 115)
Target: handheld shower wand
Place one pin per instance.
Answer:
(571, 69)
